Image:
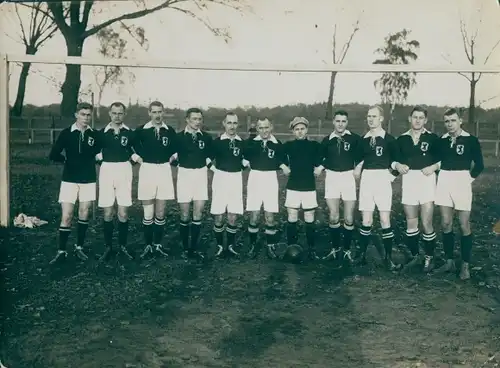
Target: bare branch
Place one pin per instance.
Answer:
(347, 45)
(465, 76)
(59, 17)
(128, 16)
(488, 99)
(334, 47)
(23, 33)
(491, 51)
(465, 40)
(86, 13)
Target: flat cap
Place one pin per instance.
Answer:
(299, 120)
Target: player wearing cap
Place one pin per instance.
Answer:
(303, 157)
(265, 156)
(115, 177)
(79, 142)
(417, 155)
(154, 143)
(378, 150)
(339, 153)
(458, 150)
(193, 155)
(227, 184)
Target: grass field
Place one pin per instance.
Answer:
(247, 313)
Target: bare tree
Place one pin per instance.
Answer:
(469, 40)
(34, 30)
(112, 45)
(394, 86)
(78, 28)
(338, 56)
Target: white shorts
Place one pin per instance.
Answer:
(418, 188)
(155, 182)
(192, 185)
(454, 189)
(71, 192)
(227, 193)
(297, 199)
(375, 190)
(263, 190)
(340, 184)
(115, 183)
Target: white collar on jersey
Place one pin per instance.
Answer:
(225, 136)
(109, 126)
(380, 134)
(335, 135)
(151, 125)
(75, 127)
(409, 132)
(271, 138)
(463, 133)
(190, 131)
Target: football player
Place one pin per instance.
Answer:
(378, 151)
(154, 143)
(417, 158)
(193, 155)
(265, 156)
(339, 154)
(458, 150)
(115, 177)
(227, 184)
(79, 142)
(303, 156)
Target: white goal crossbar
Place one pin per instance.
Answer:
(318, 67)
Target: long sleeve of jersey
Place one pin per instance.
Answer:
(477, 158)
(57, 149)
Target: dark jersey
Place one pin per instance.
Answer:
(303, 156)
(116, 146)
(459, 153)
(378, 152)
(193, 149)
(155, 145)
(340, 153)
(80, 149)
(252, 133)
(264, 155)
(227, 153)
(418, 155)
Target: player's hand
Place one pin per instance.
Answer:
(402, 169)
(318, 171)
(172, 158)
(286, 170)
(99, 157)
(429, 170)
(139, 160)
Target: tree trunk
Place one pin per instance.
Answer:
(17, 109)
(472, 105)
(72, 82)
(329, 103)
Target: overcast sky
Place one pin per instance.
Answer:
(281, 32)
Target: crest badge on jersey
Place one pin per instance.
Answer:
(347, 146)
(460, 149)
(164, 141)
(201, 144)
(270, 153)
(379, 151)
(236, 151)
(124, 141)
(424, 146)
(90, 141)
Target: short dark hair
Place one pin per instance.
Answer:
(452, 111)
(117, 104)
(419, 108)
(193, 110)
(341, 113)
(84, 106)
(157, 104)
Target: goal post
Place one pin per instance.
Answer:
(318, 67)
